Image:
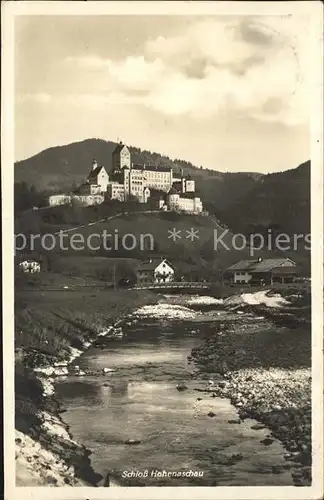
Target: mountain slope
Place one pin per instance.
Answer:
(246, 202)
(280, 201)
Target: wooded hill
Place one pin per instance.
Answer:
(246, 202)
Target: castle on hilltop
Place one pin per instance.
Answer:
(129, 181)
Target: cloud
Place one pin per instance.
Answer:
(90, 61)
(217, 43)
(251, 65)
(256, 33)
(137, 73)
(41, 98)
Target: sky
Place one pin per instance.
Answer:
(224, 92)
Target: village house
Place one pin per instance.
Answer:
(155, 271)
(262, 271)
(30, 266)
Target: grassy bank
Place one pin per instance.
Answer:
(266, 373)
(48, 324)
(49, 328)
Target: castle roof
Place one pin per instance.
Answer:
(93, 174)
(116, 176)
(173, 190)
(177, 186)
(189, 195)
(119, 148)
(157, 194)
(153, 168)
(256, 265)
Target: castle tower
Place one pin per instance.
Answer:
(94, 164)
(190, 185)
(121, 157)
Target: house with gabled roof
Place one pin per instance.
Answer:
(262, 271)
(156, 270)
(98, 178)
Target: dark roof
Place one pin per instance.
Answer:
(116, 175)
(177, 174)
(157, 194)
(189, 195)
(29, 255)
(256, 266)
(177, 185)
(94, 172)
(174, 190)
(152, 264)
(118, 148)
(154, 168)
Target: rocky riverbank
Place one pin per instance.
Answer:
(48, 338)
(264, 368)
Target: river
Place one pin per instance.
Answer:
(139, 401)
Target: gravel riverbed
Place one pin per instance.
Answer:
(263, 370)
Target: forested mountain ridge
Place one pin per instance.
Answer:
(244, 201)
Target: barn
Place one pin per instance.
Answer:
(262, 271)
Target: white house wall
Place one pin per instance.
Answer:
(240, 276)
(165, 270)
(103, 179)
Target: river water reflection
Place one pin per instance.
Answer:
(139, 401)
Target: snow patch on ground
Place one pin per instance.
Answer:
(105, 332)
(203, 300)
(48, 386)
(51, 371)
(261, 297)
(35, 465)
(75, 353)
(257, 298)
(53, 426)
(112, 331)
(168, 311)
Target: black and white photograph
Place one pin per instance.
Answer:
(163, 309)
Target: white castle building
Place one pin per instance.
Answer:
(128, 181)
